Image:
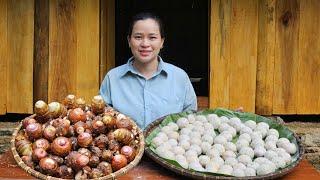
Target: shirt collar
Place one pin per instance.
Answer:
(162, 68)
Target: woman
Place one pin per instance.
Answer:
(146, 88)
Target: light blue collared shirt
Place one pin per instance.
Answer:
(168, 91)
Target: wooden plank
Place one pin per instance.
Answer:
(41, 56)
(87, 19)
(309, 58)
(219, 53)
(243, 58)
(107, 37)
(62, 49)
(3, 56)
(265, 63)
(286, 57)
(20, 56)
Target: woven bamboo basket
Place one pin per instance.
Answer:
(199, 175)
(113, 175)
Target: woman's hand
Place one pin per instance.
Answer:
(239, 109)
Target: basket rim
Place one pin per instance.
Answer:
(113, 175)
(199, 175)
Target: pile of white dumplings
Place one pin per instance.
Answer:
(194, 143)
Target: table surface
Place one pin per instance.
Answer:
(146, 169)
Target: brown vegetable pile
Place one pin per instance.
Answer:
(74, 140)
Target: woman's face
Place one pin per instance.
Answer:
(145, 41)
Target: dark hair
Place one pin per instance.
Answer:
(144, 16)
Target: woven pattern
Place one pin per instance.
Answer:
(118, 173)
(198, 175)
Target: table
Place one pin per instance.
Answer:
(147, 169)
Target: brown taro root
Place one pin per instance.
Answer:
(105, 167)
(128, 152)
(34, 131)
(109, 121)
(21, 135)
(38, 154)
(84, 139)
(97, 105)
(48, 165)
(65, 172)
(124, 123)
(81, 103)
(28, 121)
(94, 161)
(76, 160)
(28, 161)
(41, 110)
(98, 126)
(69, 101)
(85, 151)
(62, 126)
(107, 155)
(24, 147)
(123, 135)
(76, 115)
(90, 115)
(80, 127)
(96, 151)
(57, 109)
(101, 141)
(41, 143)
(58, 159)
(113, 145)
(74, 143)
(61, 146)
(95, 173)
(118, 161)
(49, 132)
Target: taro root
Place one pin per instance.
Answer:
(21, 135)
(71, 131)
(98, 126)
(41, 108)
(28, 161)
(124, 123)
(61, 146)
(76, 115)
(69, 101)
(38, 154)
(28, 121)
(123, 135)
(41, 143)
(85, 151)
(107, 155)
(58, 159)
(90, 115)
(49, 132)
(80, 127)
(101, 141)
(81, 103)
(65, 172)
(97, 105)
(110, 135)
(94, 161)
(118, 161)
(105, 168)
(34, 131)
(24, 147)
(48, 165)
(84, 139)
(74, 143)
(62, 126)
(95, 173)
(109, 121)
(96, 151)
(57, 109)
(81, 176)
(76, 160)
(113, 145)
(128, 152)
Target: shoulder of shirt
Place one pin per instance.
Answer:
(118, 71)
(172, 69)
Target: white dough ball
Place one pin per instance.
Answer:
(204, 160)
(238, 172)
(257, 142)
(173, 126)
(224, 119)
(256, 135)
(182, 122)
(260, 160)
(163, 136)
(271, 138)
(227, 135)
(166, 129)
(195, 134)
(270, 145)
(207, 138)
(218, 160)
(230, 146)
(185, 131)
(279, 162)
(245, 159)
(259, 151)
(239, 166)
(264, 169)
(214, 120)
(286, 156)
(231, 161)
(184, 144)
(173, 135)
(157, 141)
(177, 150)
(212, 167)
(182, 161)
(225, 169)
(184, 137)
(219, 140)
(251, 124)
(262, 125)
(191, 118)
(227, 154)
(253, 165)
(223, 127)
(273, 132)
(219, 147)
(245, 129)
(241, 143)
(196, 166)
(270, 154)
(247, 151)
(290, 148)
(250, 171)
(173, 142)
(245, 136)
(192, 158)
(196, 148)
(195, 140)
(213, 153)
(201, 118)
(205, 147)
(282, 142)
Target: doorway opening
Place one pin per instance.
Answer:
(186, 35)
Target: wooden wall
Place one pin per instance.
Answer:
(264, 54)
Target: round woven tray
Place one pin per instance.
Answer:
(118, 173)
(198, 175)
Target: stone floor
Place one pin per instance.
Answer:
(309, 132)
